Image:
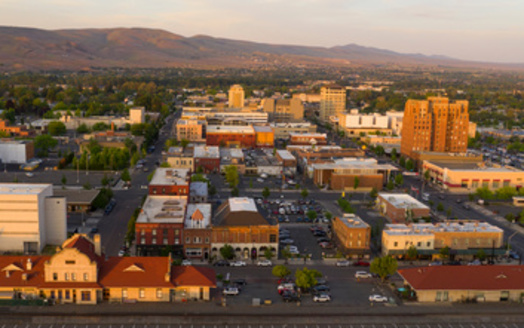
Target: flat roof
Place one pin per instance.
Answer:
(446, 226)
(353, 162)
(238, 204)
(14, 142)
(353, 221)
(197, 221)
(163, 209)
(77, 196)
(475, 166)
(310, 135)
(262, 128)
(169, 176)
(230, 129)
(206, 152)
(198, 188)
(22, 188)
(285, 155)
(291, 125)
(402, 200)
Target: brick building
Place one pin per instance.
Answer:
(160, 225)
(197, 231)
(15, 131)
(352, 234)
(308, 139)
(207, 158)
(231, 135)
(167, 181)
(400, 208)
(264, 136)
(435, 124)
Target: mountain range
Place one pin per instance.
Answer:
(87, 49)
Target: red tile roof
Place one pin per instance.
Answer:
(84, 246)
(148, 272)
(490, 277)
(193, 276)
(35, 276)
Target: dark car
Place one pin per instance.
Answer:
(221, 263)
(94, 230)
(290, 296)
(441, 196)
(459, 201)
(108, 209)
(240, 282)
(361, 263)
(319, 233)
(323, 240)
(453, 263)
(320, 289)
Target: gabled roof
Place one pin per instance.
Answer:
(194, 276)
(489, 277)
(13, 269)
(135, 272)
(84, 245)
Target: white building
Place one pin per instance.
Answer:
(16, 151)
(137, 115)
(31, 217)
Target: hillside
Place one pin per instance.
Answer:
(86, 49)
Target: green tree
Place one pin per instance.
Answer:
(449, 212)
(356, 182)
(373, 193)
(440, 207)
(402, 162)
(427, 175)
(125, 176)
(328, 215)
(306, 278)
(444, 252)
(9, 115)
(82, 128)
(165, 164)
(431, 203)
(484, 193)
(232, 176)
(506, 193)
(44, 143)
(56, 128)
(100, 126)
(184, 143)
(304, 193)
(266, 192)
(384, 266)
(481, 255)
(399, 180)
(268, 253)
(312, 215)
(286, 253)
(235, 192)
(212, 190)
(390, 185)
(63, 180)
(394, 154)
(410, 165)
(412, 253)
(471, 197)
(105, 181)
(280, 271)
(227, 252)
(510, 217)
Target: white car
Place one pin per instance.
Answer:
(186, 262)
(237, 264)
(231, 291)
(362, 274)
(29, 174)
(265, 263)
(121, 253)
(322, 298)
(260, 180)
(378, 298)
(343, 263)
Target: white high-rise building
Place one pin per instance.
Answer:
(236, 96)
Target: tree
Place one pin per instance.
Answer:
(484, 193)
(280, 271)
(384, 266)
(304, 193)
(390, 185)
(306, 278)
(471, 197)
(356, 182)
(45, 142)
(412, 252)
(125, 176)
(268, 253)
(410, 165)
(373, 193)
(481, 255)
(427, 175)
(184, 143)
(266, 192)
(286, 253)
(506, 193)
(227, 252)
(56, 128)
(328, 215)
(235, 192)
(105, 181)
(212, 190)
(100, 126)
(444, 252)
(312, 215)
(82, 128)
(449, 212)
(440, 207)
(63, 180)
(394, 154)
(402, 162)
(232, 176)
(510, 217)
(399, 180)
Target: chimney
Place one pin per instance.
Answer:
(98, 244)
(112, 126)
(24, 276)
(167, 277)
(29, 265)
(7, 274)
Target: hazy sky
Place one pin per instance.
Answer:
(487, 30)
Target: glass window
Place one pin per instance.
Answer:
(55, 276)
(86, 295)
(154, 232)
(67, 294)
(86, 276)
(73, 276)
(124, 293)
(66, 276)
(142, 293)
(159, 293)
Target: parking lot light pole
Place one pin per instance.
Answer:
(509, 241)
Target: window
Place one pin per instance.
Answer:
(73, 276)
(59, 294)
(197, 240)
(177, 232)
(272, 239)
(505, 183)
(428, 243)
(395, 244)
(165, 241)
(67, 294)
(154, 232)
(165, 232)
(66, 276)
(159, 293)
(86, 295)
(474, 184)
(142, 293)
(52, 294)
(142, 232)
(188, 240)
(153, 241)
(207, 239)
(55, 276)
(69, 262)
(419, 244)
(86, 276)
(496, 184)
(177, 241)
(124, 293)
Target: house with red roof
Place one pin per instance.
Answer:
(485, 283)
(80, 273)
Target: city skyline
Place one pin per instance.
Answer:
(479, 31)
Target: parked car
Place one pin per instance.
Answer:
(221, 263)
(121, 253)
(264, 263)
(290, 296)
(343, 263)
(322, 240)
(362, 274)
(320, 289)
(377, 298)
(287, 241)
(237, 263)
(186, 262)
(326, 245)
(322, 298)
(361, 263)
(231, 291)
(435, 263)
(319, 233)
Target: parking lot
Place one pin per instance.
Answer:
(345, 289)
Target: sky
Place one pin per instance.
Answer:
(481, 30)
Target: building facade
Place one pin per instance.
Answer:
(193, 130)
(435, 124)
(231, 136)
(197, 231)
(167, 181)
(399, 208)
(16, 151)
(332, 101)
(284, 110)
(236, 96)
(352, 234)
(207, 158)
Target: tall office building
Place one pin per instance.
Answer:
(435, 124)
(284, 110)
(332, 101)
(236, 96)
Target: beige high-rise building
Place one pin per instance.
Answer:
(284, 110)
(332, 101)
(435, 124)
(236, 96)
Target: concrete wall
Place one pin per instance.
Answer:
(15, 153)
(55, 220)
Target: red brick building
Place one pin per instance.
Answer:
(231, 135)
(400, 208)
(159, 226)
(207, 158)
(308, 139)
(197, 231)
(168, 181)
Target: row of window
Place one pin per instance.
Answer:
(165, 232)
(66, 294)
(71, 276)
(478, 242)
(142, 293)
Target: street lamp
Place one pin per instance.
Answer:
(509, 240)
